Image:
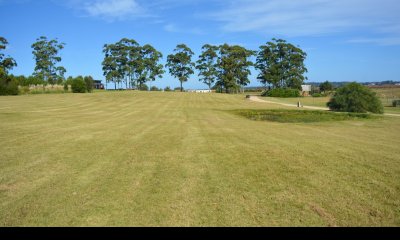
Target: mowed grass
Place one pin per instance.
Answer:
(306, 101)
(183, 159)
(299, 116)
(386, 95)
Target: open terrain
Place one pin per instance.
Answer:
(386, 95)
(184, 159)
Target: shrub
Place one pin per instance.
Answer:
(8, 85)
(154, 88)
(23, 89)
(78, 85)
(355, 97)
(143, 87)
(167, 89)
(317, 95)
(66, 87)
(326, 86)
(178, 89)
(282, 92)
(299, 116)
(89, 83)
(396, 103)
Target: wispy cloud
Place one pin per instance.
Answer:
(311, 17)
(384, 41)
(173, 28)
(110, 10)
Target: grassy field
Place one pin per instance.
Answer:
(184, 159)
(386, 95)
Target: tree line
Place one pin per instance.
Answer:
(126, 63)
(225, 67)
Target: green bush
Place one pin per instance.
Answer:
(143, 87)
(326, 86)
(396, 103)
(23, 89)
(317, 95)
(178, 89)
(8, 85)
(66, 87)
(299, 116)
(167, 89)
(89, 83)
(354, 97)
(78, 85)
(282, 92)
(154, 88)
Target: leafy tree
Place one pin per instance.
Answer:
(233, 67)
(89, 83)
(207, 65)
(325, 86)
(129, 59)
(126, 61)
(180, 64)
(149, 67)
(281, 64)
(78, 85)
(46, 56)
(354, 97)
(6, 63)
(112, 69)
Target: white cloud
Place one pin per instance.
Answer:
(173, 28)
(310, 17)
(384, 41)
(110, 9)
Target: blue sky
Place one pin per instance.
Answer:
(346, 40)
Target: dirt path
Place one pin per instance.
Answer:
(257, 99)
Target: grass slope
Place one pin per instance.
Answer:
(181, 159)
(300, 116)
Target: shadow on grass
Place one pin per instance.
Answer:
(300, 116)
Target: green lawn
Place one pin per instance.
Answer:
(386, 95)
(183, 159)
(306, 101)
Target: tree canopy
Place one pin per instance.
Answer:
(127, 61)
(6, 63)
(207, 65)
(46, 56)
(281, 64)
(325, 86)
(233, 67)
(180, 64)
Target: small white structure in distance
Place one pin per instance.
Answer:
(305, 90)
(200, 90)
